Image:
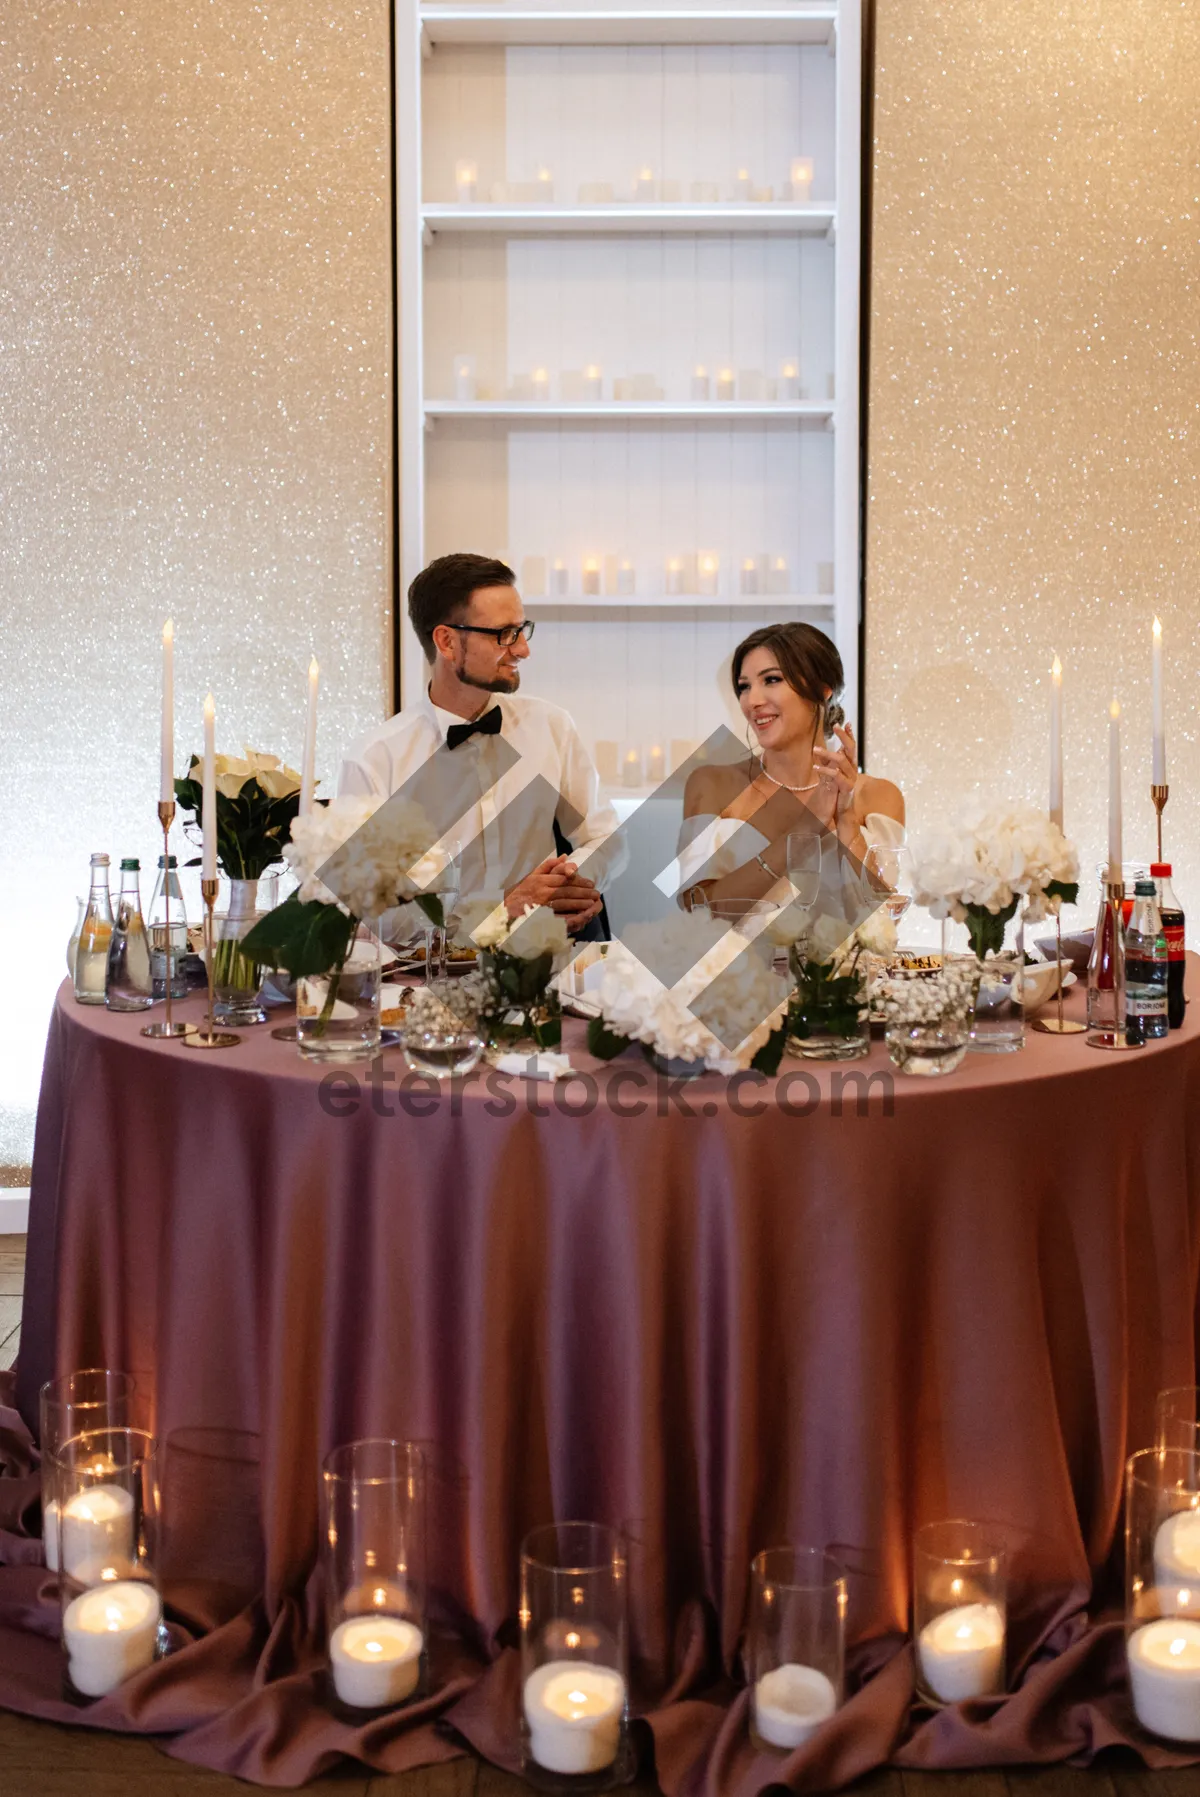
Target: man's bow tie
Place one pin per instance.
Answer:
(488, 725)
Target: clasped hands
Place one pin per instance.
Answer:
(557, 883)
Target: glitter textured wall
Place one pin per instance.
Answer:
(195, 362)
(1034, 453)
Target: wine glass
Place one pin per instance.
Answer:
(804, 867)
(446, 885)
(889, 869)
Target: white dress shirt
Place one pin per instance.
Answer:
(502, 815)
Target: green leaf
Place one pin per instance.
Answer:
(431, 905)
(301, 938)
(1066, 890)
(604, 1043)
(771, 1053)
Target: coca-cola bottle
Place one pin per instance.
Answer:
(1172, 920)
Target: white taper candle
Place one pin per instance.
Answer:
(1158, 775)
(1114, 791)
(166, 786)
(308, 765)
(1056, 764)
(208, 805)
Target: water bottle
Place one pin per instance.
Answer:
(95, 934)
(1173, 929)
(167, 887)
(128, 987)
(1145, 968)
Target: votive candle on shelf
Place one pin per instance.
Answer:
(626, 579)
(591, 577)
(709, 571)
(110, 1633)
(574, 1710)
(1164, 1677)
(801, 178)
(593, 382)
(726, 386)
(464, 377)
(466, 174)
(643, 185)
(1114, 791)
(674, 576)
(541, 384)
(375, 1660)
(166, 788)
(545, 183)
(700, 382)
(790, 1704)
(789, 380)
(743, 187)
(961, 1652)
(533, 576)
(208, 795)
(777, 578)
(631, 767)
(559, 581)
(1158, 757)
(1056, 761)
(656, 764)
(749, 575)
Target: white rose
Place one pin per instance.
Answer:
(539, 931)
(483, 923)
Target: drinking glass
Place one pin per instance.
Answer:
(795, 1644)
(889, 869)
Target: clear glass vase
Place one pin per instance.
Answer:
(998, 1020)
(337, 1013)
(827, 1016)
(237, 980)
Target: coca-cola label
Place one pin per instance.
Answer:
(1174, 935)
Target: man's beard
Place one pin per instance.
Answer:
(499, 683)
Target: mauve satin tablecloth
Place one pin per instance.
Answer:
(826, 1323)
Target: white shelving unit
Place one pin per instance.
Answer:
(677, 129)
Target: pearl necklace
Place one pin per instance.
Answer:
(762, 768)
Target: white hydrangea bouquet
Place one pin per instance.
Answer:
(978, 868)
(744, 1013)
(516, 960)
(376, 855)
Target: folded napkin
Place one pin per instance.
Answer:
(536, 1066)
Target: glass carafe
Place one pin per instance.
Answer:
(128, 985)
(95, 934)
(168, 931)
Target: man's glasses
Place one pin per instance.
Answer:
(505, 635)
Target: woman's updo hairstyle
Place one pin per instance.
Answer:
(808, 661)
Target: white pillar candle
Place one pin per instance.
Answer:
(464, 377)
(656, 764)
(465, 176)
(725, 384)
(777, 578)
(1158, 761)
(700, 382)
(109, 1634)
(801, 178)
(789, 380)
(208, 794)
(166, 790)
(632, 767)
(96, 1532)
(1056, 765)
(574, 1711)
(593, 382)
(790, 1704)
(545, 182)
(591, 577)
(375, 1660)
(558, 580)
(643, 185)
(709, 572)
(50, 1534)
(1177, 1560)
(1164, 1675)
(309, 763)
(541, 384)
(674, 575)
(961, 1652)
(749, 576)
(743, 188)
(1114, 791)
(626, 580)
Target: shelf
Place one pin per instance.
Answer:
(500, 25)
(714, 411)
(570, 606)
(742, 218)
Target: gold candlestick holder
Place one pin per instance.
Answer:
(166, 1028)
(1159, 795)
(1059, 1025)
(214, 1038)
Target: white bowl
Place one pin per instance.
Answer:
(1040, 983)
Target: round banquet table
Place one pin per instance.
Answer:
(820, 1309)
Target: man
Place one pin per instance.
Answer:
(509, 769)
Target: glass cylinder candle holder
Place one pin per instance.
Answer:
(373, 1553)
(574, 1679)
(337, 1013)
(107, 1522)
(795, 1644)
(82, 1403)
(1176, 1417)
(1162, 1590)
(960, 1572)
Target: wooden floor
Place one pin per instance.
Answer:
(40, 1759)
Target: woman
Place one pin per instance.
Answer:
(799, 778)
